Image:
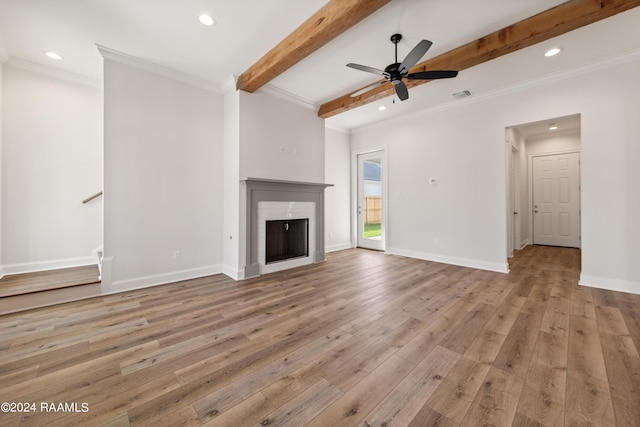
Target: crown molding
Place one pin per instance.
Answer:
(579, 70)
(229, 84)
(53, 72)
(141, 64)
(608, 62)
(338, 129)
(288, 96)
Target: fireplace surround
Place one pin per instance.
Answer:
(269, 190)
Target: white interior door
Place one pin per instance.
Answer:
(556, 200)
(371, 231)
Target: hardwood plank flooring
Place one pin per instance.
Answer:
(363, 339)
(40, 281)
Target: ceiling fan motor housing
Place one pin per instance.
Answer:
(394, 73)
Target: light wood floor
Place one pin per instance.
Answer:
(364, 339)
(40, 281)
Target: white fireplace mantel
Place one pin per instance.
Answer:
(271, 190)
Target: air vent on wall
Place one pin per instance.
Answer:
(462, 94)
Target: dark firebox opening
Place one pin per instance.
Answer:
(286, 239)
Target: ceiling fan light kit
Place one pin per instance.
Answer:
(397, 71)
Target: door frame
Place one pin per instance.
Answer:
(514, 216)
(385, 194)
(530, 189)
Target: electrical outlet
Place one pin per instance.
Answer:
(176, 254)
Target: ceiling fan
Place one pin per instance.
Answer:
(395, 72)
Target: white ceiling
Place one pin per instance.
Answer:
(167, 32)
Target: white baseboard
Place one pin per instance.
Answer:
(338, 247)
(159, 279)
(524, 244)
(445, 259)
(610, 284)
(30, 267)
(233, 273)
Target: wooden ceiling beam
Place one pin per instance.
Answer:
(554, 22)
(329, 22)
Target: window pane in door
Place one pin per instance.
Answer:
(372, 194)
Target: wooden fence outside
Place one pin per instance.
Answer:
(372, 210)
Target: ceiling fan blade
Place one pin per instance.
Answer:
(367, 88)
(401, 91)
(414, 56)
(367, 69)
(432, 75)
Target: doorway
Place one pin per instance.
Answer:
(543, 183)
(371, 200)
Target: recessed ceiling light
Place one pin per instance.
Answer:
(553, 126)
(53, 55)
(206, 20)
(382, 108)
(552, 52)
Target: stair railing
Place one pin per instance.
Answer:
(90, 198)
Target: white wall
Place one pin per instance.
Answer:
(463, 148)
(232, 238)
(610, 179)
(461, 219)
(163, 178)
(337, 198)
(1, 168)
(51, 161)
(280, 139)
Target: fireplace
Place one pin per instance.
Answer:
(287, 215)
(274, 200)
(286, 239)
